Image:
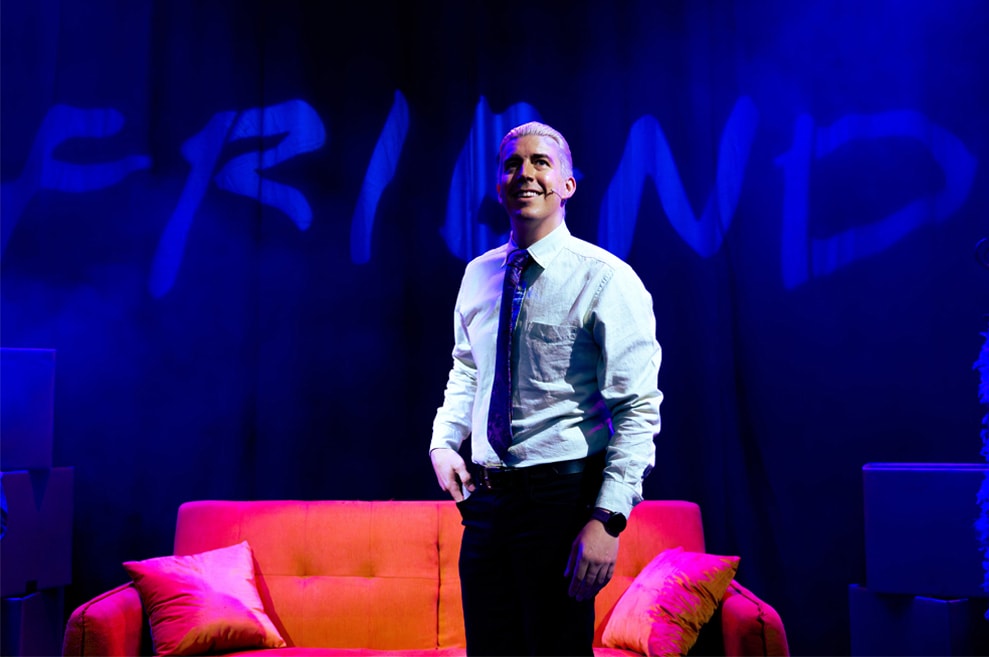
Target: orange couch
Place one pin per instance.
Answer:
(366, 578)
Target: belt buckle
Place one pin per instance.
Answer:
(489, 476)
(483, 478)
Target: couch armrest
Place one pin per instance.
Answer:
(109, 624)
(751, 626)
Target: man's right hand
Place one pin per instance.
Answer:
(451, 472)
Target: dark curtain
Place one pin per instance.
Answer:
(242, 226)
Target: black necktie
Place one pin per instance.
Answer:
(500, 412)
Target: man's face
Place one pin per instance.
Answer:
(532, 184)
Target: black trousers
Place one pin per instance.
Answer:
(516, 544)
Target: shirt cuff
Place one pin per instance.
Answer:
(617, 497)
(445, 442)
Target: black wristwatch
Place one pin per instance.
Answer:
(614, 523)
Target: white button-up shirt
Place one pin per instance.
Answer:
(585, 364)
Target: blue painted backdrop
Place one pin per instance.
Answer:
(243, 224)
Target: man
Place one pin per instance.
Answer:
(556, 472)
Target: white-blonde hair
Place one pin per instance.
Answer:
(535, 128)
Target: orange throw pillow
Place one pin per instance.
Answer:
(666, 605)
(204, 603)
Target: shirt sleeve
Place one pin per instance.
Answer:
(628, 372)
(452, 423)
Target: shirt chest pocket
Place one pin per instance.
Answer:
(549, 350)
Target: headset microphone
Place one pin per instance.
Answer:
(553, 191)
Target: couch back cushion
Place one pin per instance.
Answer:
(339, 573)
(383, 575)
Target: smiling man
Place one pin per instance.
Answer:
(554, 379)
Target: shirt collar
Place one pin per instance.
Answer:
(544, 251)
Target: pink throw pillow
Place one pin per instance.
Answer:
(666, 605)
(204, 603)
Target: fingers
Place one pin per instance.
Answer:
(573, 561)
(451, 471)
(582, 588)
(464, 477)
(588, 579)
(451, 484)
(585, 575)
(578, 579)
(453, 487)
(592, 561)
(596, 577)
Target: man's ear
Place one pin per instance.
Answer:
(570, 186)
(498, 192)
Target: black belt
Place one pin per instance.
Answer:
(501, 478)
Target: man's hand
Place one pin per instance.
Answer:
(592, 561)
(451, 472)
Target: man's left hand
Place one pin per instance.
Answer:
(592, 561)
